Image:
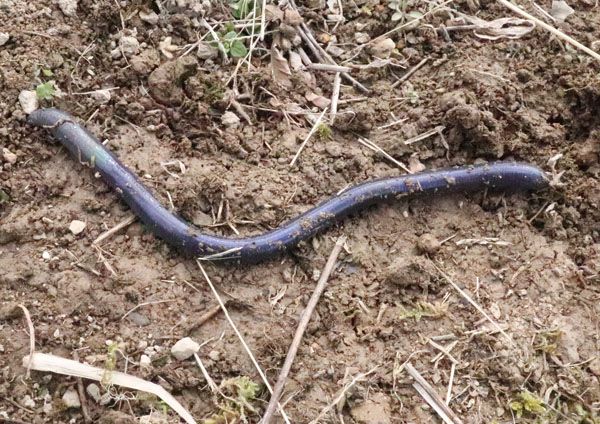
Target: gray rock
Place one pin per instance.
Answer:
(71, 399)
(68, 7)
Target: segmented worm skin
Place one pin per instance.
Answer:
(509, 176)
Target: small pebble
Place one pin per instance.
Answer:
(383, 48)
(145, 361)
(4, 37)
(230, 119)
(9, 156)
(206, 51)
(71, 399)
(150, 18)
(427, 243)
(101, 96)
(215, 355)
(138, 319)
(28, 100)
(94, 391)
(68, 7)
(27, 402)
(129, 45)
(76, 226)
(46, 255)
(184, 348)
(47, 408)
(362, 37)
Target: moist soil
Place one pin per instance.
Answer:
(214, 142)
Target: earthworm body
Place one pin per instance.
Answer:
(509, 176)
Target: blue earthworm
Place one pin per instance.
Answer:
(509, 176)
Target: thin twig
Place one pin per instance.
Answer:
(146, 304)
(312, 131)
(328, 68)
(550, 28)
(410, 72)
(450, 382)
(123, 224)
(431, 396)
(31, 338)
(425, 135)
(82, 397)
(239, 335)
(205, 316)
(335, 96)
(368, 143)
(391, 124)
(211, 383)
(304, 319)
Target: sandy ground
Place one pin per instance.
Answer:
(531, 262)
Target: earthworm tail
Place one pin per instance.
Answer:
(85, 147)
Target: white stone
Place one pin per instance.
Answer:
(362, 37)
(47, 408)
(71, 399)
(28, 100)
(46, 255)
(9, 156)
(68, 7)
(4, 37)
(151, 18)
(76, 226)
(94, 391)
(230, 119)
(130, 45)
(27, 402)
(184, 348)
(145, 361)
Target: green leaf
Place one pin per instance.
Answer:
(45, 91)
(231, 35)
(4, 197)
(47, 72)
(238, 49)
(415, 14)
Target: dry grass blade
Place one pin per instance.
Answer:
(550, 28)
(304, 319)
(31, 337)
(59, 365)
(311, 132)
(431, 396)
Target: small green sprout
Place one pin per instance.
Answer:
(47, 72)
(425, 309)
(233, 45)
(46, 90)
(324, 131)
(239, 393)
(4, 197)
(527, 403)
(242, 8)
